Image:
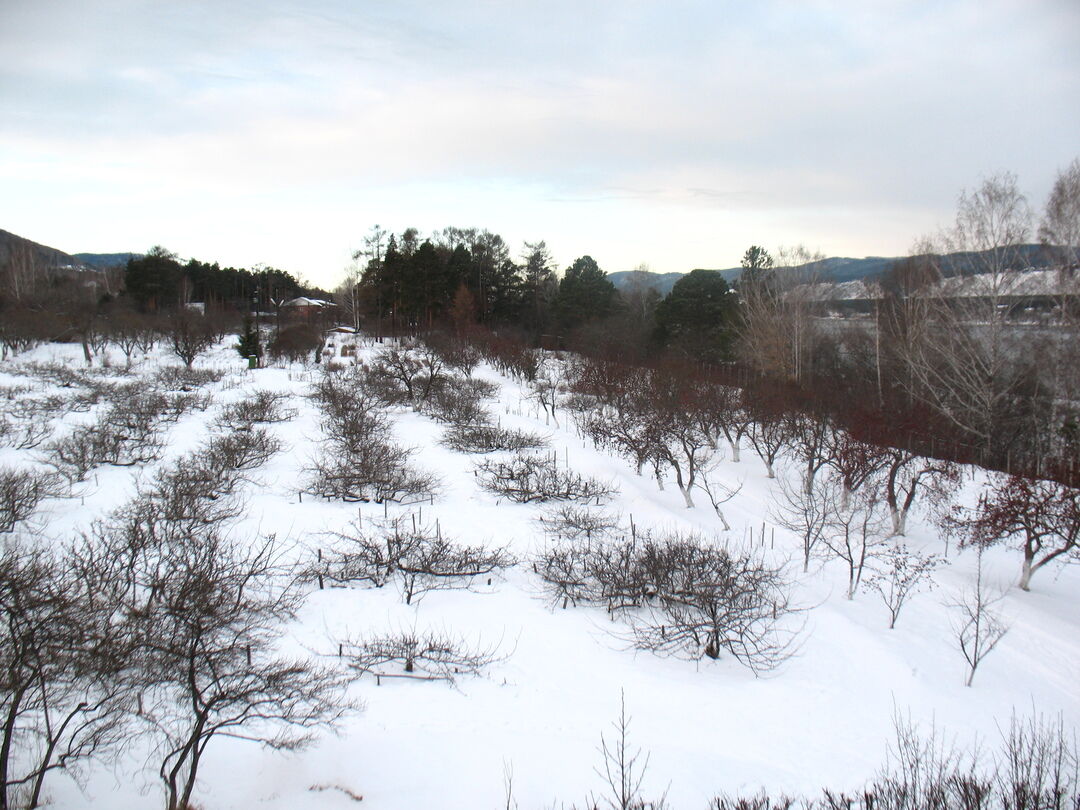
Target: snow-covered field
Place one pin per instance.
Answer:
(824, 718)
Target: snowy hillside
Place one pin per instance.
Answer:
(534, 716)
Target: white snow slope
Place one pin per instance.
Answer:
(825, 718)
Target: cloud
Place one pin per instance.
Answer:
(842, 122)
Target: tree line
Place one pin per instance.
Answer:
(933, 369)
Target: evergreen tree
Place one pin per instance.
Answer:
(540, 286)
(153, 280)
(698, 316)
(585, 293)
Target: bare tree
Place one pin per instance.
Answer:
(623, 769)
(414, 367)
(1060, 227)
(206, 611)
(805, 510)
(778, 337)
(854, 531)
(901, 572)
(545, 389)
(190, 335)
(62, 694)
(978, 627)
(1044, 516)
(906, 474)
(963, 367)
(768, 436)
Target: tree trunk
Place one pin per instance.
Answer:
(5, 749)
(1025, 575)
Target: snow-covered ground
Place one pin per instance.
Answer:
(824, 718)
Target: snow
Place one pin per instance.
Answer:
(823, 719)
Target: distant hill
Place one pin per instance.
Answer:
(839, 269)
(661, 282)
(106, 260)
(43, 256)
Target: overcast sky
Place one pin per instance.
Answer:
(672, 133)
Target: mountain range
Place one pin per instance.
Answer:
(836, 269)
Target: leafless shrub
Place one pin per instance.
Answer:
(1035, 768)
(759, 801)
(431, 656)
(375, 471)
(417, 556)
(490, 438)
(572, 522)
(24, 434)
(577, 548)
(530, 477)
(1039, 766)
(360, 461)
(296, 343)
(122, 437)
(261, 407)
(568, 572)
(21, 490)
(458, 354)
(173, 406)
(708, 601)
(340, 393)
(243, 450)
(456, 405)
(679, 595)
(180, 378)
(188, 495)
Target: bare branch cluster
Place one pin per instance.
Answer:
(181, 378)
(203, 612)
(978, 625)
(433, 656)
(21, 490)
(529, 477)
(360, 461)
(679, 594)
(485, 438)
(1034, 768)
(403, 550)
(259, 408)
(128, 433)
(900, 573)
